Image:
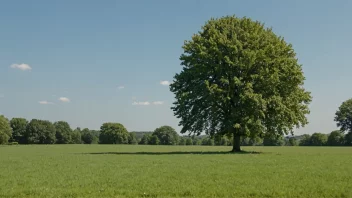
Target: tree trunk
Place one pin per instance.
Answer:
(236, 143)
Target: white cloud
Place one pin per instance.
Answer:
(121, 87)
(165, 83)
(44, 102)
(64, 99)
(146, 103)
(22, 66)
(158, 103)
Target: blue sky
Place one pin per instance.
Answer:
(102, 61)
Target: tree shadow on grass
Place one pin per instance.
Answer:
(175, 153)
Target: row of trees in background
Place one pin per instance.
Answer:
(19, 130)
(335, 138)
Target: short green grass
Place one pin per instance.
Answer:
(173, 171)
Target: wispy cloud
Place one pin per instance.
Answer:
(23, 67)
(64, 99)
(165, 82)
(120, 87)
(158, 103)
(146, 103)
(44, 102)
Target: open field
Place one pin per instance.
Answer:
(173, 171)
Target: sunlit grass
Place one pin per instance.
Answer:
(174, 171)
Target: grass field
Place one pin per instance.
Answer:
(173, 171)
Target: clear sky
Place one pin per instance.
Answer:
(89, 62)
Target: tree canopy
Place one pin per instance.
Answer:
(18, 126)
(40, 132)
(247, 141)
(273, 140)
(5, 130)
(343, 116)
(76, 136)
(318, 139)
(145, 139)
(167, 135)
(87, 136)
(63, 132)
(336, 138)
(154, 140)
(239, 78)
(305, 140)
(182, 141)
(132, 138)
(189, 141)
(348, 139)
(292, 141)
(113, 133)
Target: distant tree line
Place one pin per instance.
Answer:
(20, 131)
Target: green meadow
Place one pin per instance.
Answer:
(174, 171)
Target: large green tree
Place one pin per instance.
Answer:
(305, 140)
(239, 78)
(18, 126)
(343, 116)
(96, 134)
(5, 130)
(63, 132)
(40, 132)
(87, 136)
(113, 133)
(167, 135)
(318, 139)
(336, 138)
(154, 140)
(76, 136)
(132, 138)
(145, 139)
